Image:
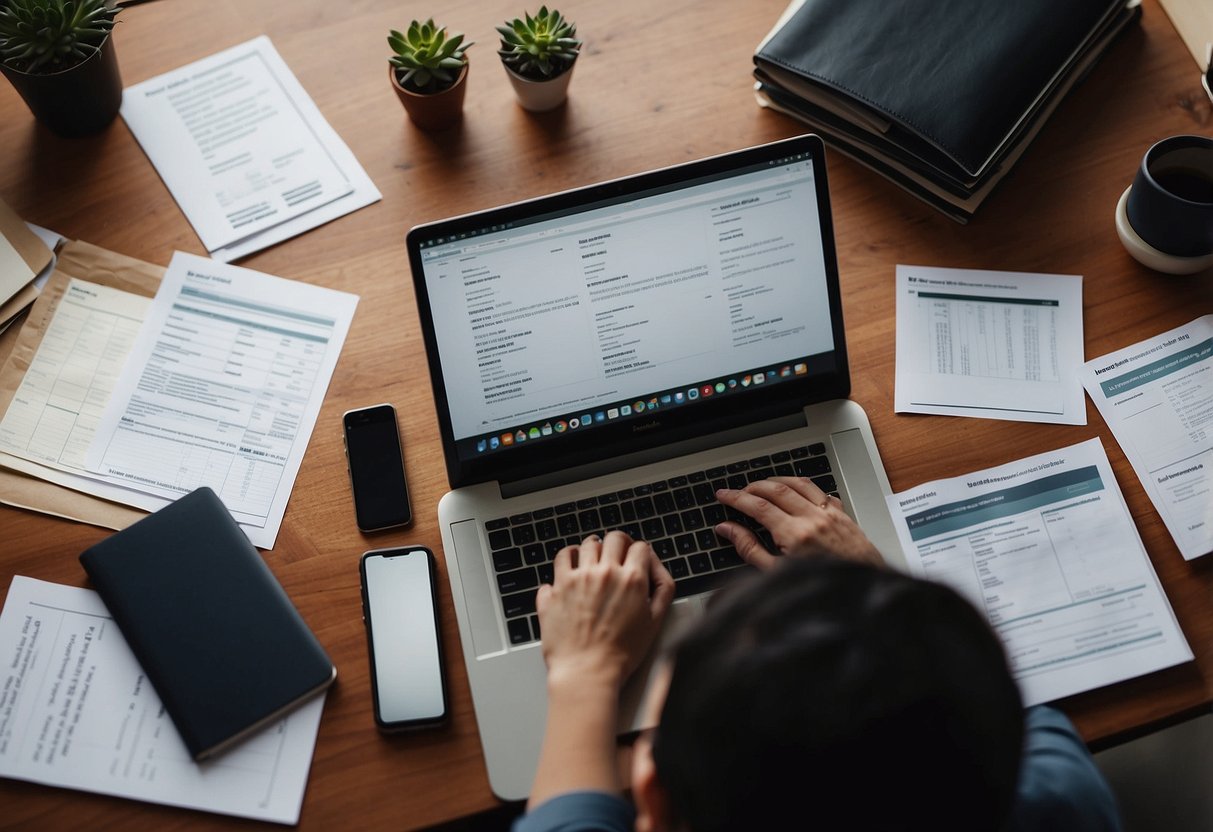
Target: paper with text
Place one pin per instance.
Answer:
(53, 415)
(994, 345)
(243, 148)
(223, 388)
(1046, 548)
(77, 711)
(1157, 396)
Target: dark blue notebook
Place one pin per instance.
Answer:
(219, 639)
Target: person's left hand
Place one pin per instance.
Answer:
(601, 613)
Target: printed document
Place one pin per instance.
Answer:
(994, 345)
(76, 710)
(53, 415)
(222, 388)
(1157, 397)
(1046, 548)
(244, 150)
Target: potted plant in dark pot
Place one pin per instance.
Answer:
(429, 74)
(60, 57)
(538, 54)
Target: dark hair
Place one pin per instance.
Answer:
(833, 695)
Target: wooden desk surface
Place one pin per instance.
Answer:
(658, 84)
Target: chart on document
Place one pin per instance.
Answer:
(1046, 548)
(223, 388)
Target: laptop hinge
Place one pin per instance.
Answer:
(657, 454)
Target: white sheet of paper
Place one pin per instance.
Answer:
(77, 711)
(1046, 549)
(222, 389)
(993, 345)
(244, 150)
(1157, 396)
(53, 415)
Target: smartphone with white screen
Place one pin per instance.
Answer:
(401, 613)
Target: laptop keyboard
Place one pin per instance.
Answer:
(675, 515)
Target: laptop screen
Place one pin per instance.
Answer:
(576, 319)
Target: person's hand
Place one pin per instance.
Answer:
(601, 613)
(802, 519)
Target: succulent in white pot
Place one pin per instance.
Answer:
(539, 52)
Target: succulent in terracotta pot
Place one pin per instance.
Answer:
(429, 71)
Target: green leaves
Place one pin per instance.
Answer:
(539, 47)
(428, 61)
(52, 35)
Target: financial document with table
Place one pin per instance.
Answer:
(217, 381)
(993, 345)
(1046, 548)
(1157, 396)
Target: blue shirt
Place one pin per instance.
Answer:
(1060, 790)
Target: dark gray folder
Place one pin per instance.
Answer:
(219, 639)
(939, 95)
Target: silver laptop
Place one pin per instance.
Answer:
(606, 358)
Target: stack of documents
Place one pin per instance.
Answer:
(244, 150)
(217, 381)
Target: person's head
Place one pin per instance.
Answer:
(832, 695)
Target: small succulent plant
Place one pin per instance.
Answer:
(427, 59)
(539, 47)
(41, 36)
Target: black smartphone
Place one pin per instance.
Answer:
(402, 637)
(376, 465)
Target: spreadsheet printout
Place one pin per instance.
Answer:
(993, 345)
(222, 389)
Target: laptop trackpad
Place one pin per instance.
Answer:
(631, 706)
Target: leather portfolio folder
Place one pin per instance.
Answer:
(214, 631)
(942, 93)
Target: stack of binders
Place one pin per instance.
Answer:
(940, 96)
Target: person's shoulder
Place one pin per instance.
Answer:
(584, 811)
(1060, 787)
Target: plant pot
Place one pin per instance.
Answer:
(435, 110)
(541, 96)
(79, 101)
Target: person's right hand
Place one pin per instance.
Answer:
(802, 519)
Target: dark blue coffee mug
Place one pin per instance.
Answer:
(1170, 205)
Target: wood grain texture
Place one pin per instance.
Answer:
(638, 101)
